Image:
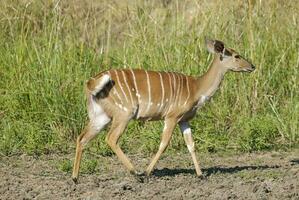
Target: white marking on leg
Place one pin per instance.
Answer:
(149, 92)
(120, 85)
(186, 130)
(161, 145)
(165, 127)
(125, 79)
(190, 146)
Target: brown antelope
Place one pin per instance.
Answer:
(121, 95)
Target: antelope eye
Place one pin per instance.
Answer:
(237, 56)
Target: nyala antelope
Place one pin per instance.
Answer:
(117, 96)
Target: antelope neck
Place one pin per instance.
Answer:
(208, 83)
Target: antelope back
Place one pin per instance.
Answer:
(147, 94)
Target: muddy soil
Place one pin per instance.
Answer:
(272, 175)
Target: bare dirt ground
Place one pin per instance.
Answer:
(271, 175)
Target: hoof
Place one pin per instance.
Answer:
(133, 172)
(75, 179)
(141, 177)
(202, 177)
(141, 174)
(147, 173)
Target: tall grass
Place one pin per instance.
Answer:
(49, 48)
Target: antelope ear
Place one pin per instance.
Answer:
(214, 46)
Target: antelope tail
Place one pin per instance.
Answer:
(95, 86)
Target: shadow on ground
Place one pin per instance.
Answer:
(294, 162)
(209, 171)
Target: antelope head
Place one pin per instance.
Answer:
(228, 58)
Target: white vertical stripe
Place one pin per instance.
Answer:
(135, 85)
(163, 92)
(110, 93)
(137, 92)
(179, 89)
(120, 85)
(170, 85)
(115, 92)
(125, 79)
(169, 102)
(149, 92)
(188, 90)
(182, 88)
(174, 88)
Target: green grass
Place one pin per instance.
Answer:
(89, 166)
(49, 48)
(264, 175)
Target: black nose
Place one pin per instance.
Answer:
(253, 67)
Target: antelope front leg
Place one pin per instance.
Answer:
(186, 130)
(169, 126)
